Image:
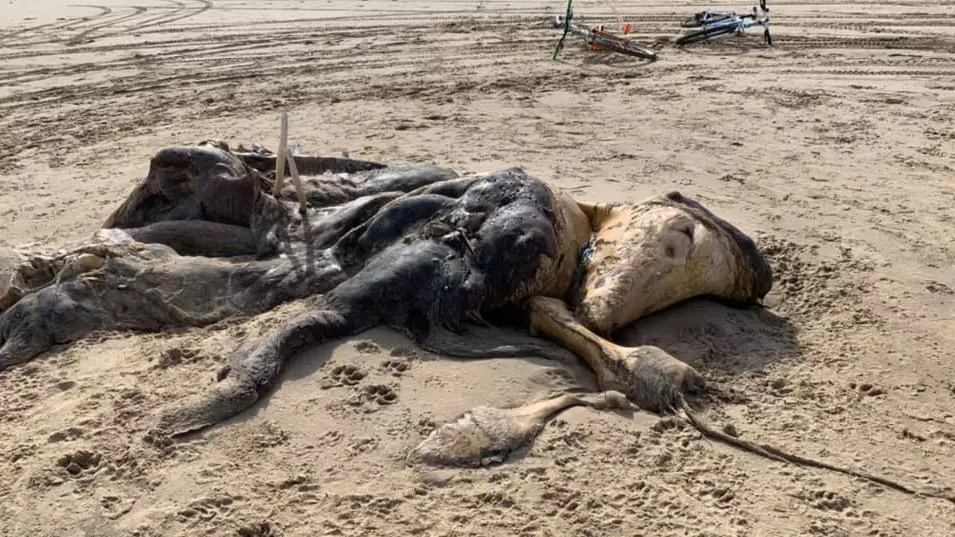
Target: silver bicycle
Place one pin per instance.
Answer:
(714, 24)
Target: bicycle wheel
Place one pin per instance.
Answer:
(623, 46)
(703, 35)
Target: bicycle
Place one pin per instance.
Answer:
(597, 38)
(721, 23)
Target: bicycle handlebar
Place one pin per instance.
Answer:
(569, 14)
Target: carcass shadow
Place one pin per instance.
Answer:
(716, 339)
(310, 373)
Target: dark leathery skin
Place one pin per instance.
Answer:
(412, 279)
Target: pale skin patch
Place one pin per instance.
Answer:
(486, 435)
(647, 375)
(649, 257)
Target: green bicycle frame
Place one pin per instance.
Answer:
(560, 44)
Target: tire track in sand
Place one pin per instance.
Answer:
(447, 47)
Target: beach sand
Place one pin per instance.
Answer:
(834, 149)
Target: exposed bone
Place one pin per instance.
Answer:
(650, 377)
(486, 435)
(299, 188)
(280, 156)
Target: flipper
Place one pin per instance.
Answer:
(649, 376)
(486, 435)
(252, 371)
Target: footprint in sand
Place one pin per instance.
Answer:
(342, 375)
(80, 463)
(397, 368)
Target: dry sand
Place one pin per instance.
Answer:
(835, 149)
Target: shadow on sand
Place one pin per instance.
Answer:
(716, 339)
(725, 46)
